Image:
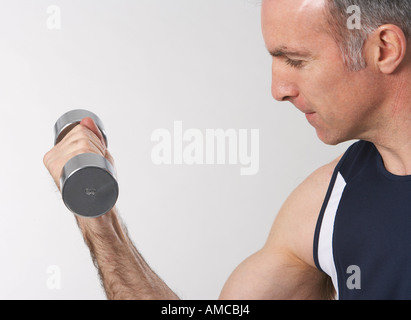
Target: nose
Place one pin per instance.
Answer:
(283, 92)
(283, 87)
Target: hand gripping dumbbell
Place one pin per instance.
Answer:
(88, 181)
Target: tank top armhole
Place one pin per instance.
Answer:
(324, 206)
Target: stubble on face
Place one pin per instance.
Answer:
(344, 102)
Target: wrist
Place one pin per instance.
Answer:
(104, 227)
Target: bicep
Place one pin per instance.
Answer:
(270, 275)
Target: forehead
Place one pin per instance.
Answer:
(293, 23)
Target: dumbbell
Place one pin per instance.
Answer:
(88, 182)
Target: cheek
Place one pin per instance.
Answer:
(328, 83)
(337, 95)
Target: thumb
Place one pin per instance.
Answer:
(90, 124)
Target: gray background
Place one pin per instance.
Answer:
(141, 65)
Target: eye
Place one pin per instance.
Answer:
(294, 63)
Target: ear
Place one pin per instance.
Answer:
(388, 48)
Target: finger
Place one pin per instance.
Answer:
(79, 133)
(91, 148)
(110, 158)
(90, 124)
(82, 137)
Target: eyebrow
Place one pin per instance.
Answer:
(285, 51)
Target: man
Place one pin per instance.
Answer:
(345, 230)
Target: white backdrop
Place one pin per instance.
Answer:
(141, 65)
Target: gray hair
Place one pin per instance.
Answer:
(374, 13)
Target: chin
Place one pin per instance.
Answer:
(331, 138)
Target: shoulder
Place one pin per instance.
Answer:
(294, 226)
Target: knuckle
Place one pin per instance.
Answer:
(84, 143)
(79, 132)
(46, 159)
(79, 128)
(80, 142)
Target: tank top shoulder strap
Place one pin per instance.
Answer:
(349, 166)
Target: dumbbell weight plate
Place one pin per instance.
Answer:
(71, 119)
(89, 188)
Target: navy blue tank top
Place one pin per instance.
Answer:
(363, 234)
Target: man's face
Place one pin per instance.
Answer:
(308, 71)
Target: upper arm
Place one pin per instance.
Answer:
(284, 268)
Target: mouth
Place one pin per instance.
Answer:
(309, 114)
(303, 108)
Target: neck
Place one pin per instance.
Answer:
(392, 137)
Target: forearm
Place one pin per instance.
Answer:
(123, 271)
